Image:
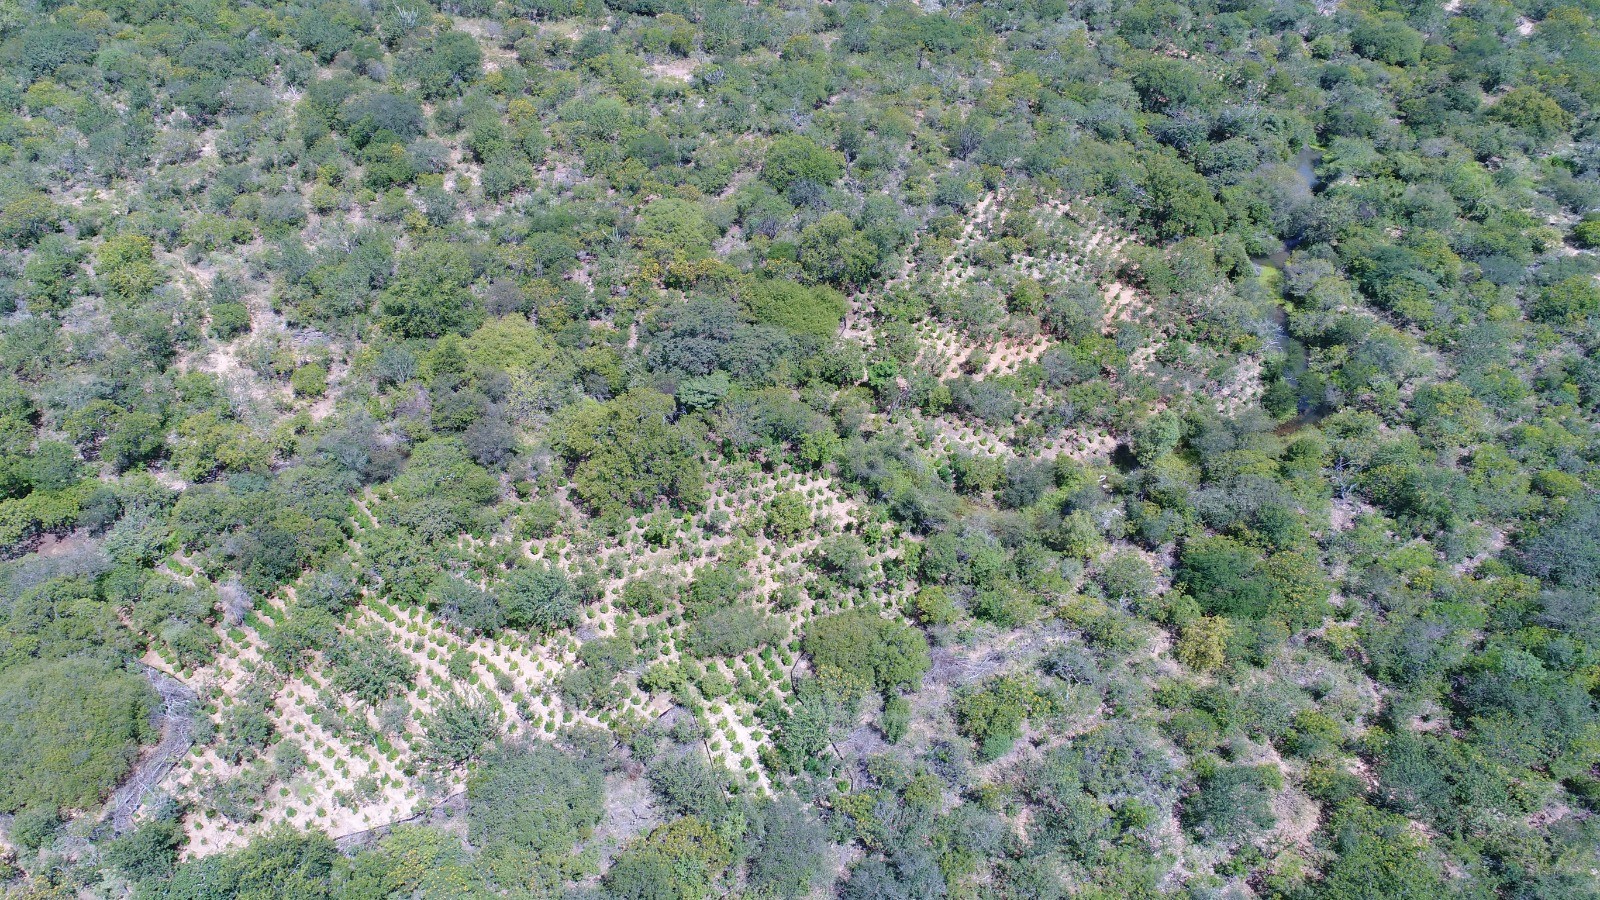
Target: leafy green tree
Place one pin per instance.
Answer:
(414, 860)
(704, 392)
(896, 721)
(208, 444)
(688, 785)
(310, 380)
(1156, 437)
(594, 684)
(1566, 550)
(796, 158)
(149, 852)
(786, 860)
(1530, 110)
(716, 587)
(680, 860)
(46, 48)
(429, 296)
(464, 605)
(1076, 534)
(1573, 301)
(1586, 233)
(844, 556)
(1127, 577)
(1166, 83)
(454, 60)
(629, 452)
(364, 665)
(1233, 802)
(976, 473)
(385, 163)
(787, 516)
(675, 229)
(1229, 578)
(824, 707)
(1176, 201)
(441, 487)
(282, 863)
(33, 827)
(48, 277)
(645, 596)
(127, 268)
(25, 220)
(229, 319)
(833, 251)
(1203, 644)
(1387, 40)
(733, 630)
(933, 606)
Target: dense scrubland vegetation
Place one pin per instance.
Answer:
(651, 449)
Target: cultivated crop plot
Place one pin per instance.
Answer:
(799, 449)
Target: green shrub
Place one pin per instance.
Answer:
(70, 729)
(813, 311)
(864, 645)
(229, 319)
(310, 380)
(529, 803)
(992, 714)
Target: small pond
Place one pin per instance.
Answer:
(1305, 166)
(1278, 337)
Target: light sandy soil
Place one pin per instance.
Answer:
(487, 32)
(1242, 389)
(1079, 247)
(949, 435)
(517, 672)
(521, 673)
(1123, 304)
(675, 70)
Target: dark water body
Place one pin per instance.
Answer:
(1305, 165)
(1305, 168)
(1277, 337)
